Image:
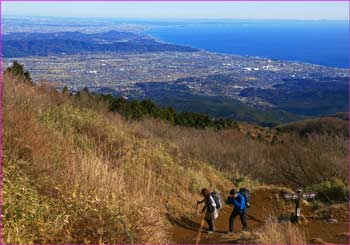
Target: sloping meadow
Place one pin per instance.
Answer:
(74, 175)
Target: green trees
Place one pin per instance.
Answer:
(168, 114)
(65, 90)
(146, 108)
(18, 70)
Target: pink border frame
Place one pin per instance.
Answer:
(1, 154)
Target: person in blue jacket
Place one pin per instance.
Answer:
(240, 209)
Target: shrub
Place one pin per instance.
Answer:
(18, 70)
(331, 191)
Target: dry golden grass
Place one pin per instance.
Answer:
(292, 161)
(76, 175)
(275, 233)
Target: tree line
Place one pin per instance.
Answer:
(137, 110)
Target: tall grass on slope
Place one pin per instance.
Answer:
(276, 233)
(292, 161)
(76, 175)
(65, 190)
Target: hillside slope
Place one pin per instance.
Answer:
(75, 173)
(337, 124)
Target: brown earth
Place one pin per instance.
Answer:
(265, 202)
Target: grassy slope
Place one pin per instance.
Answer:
(73, 174)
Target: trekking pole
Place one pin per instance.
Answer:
(200, 231)
(194, 218)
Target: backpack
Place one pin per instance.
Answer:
(245, 192)
(217, 198)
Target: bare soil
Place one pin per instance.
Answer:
(266, 202)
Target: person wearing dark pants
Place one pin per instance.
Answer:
(210, 223)
(242, 215)
(240, 209)
(209, 208)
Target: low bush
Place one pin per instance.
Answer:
(331, 191)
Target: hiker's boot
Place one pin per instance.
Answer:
(210, 232)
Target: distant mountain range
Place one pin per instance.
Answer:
(44, 44)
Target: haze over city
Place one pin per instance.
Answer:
(332, 10)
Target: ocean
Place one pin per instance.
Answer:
(318, 42)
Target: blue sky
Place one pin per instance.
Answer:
(182, 10)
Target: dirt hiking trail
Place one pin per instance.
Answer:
(265, 202)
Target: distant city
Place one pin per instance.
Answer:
(118, 59)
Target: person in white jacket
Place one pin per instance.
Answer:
(209, 208)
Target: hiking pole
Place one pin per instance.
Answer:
(194, 217)
(200, 231)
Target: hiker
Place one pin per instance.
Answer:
(209, 208)
(238, 201)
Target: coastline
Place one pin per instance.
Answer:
(174, 34)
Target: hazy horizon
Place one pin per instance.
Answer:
(167, 19)
(181, 10)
